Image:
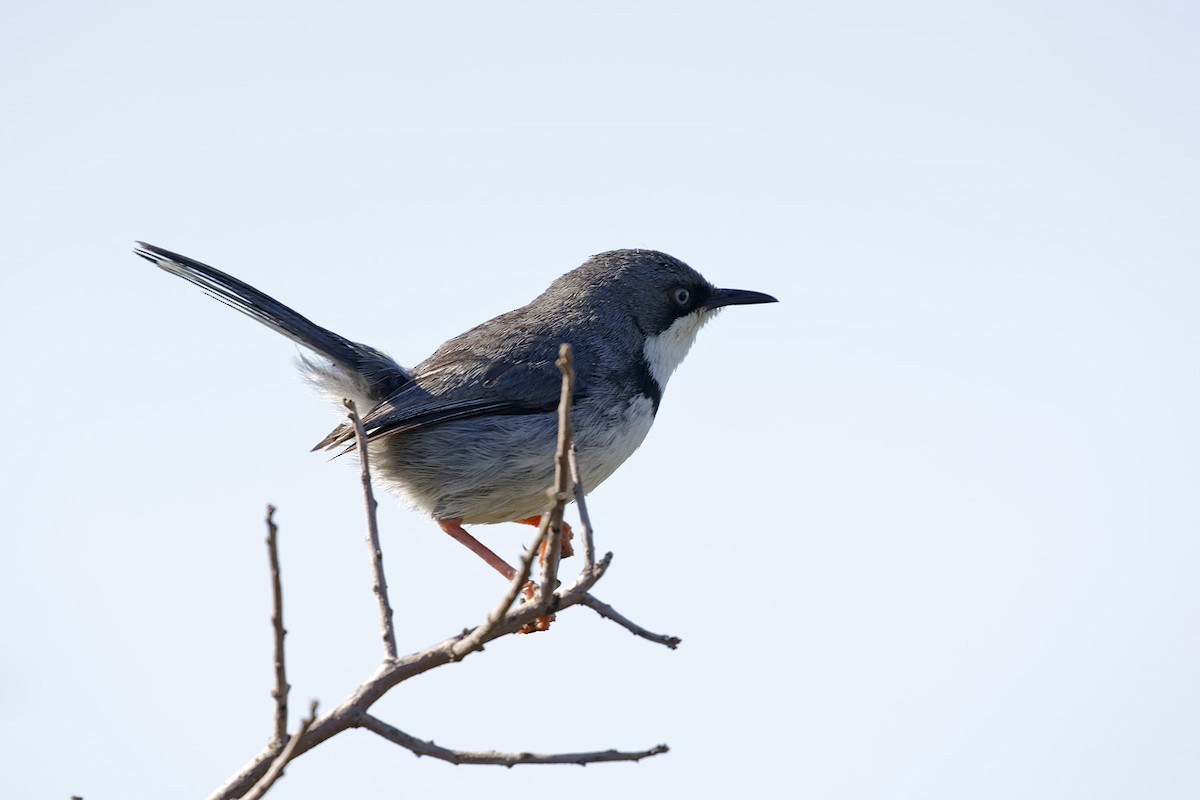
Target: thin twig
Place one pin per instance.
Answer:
(377, 574)
(280, 692)
(562, 473)
(588, 542)
(275, 772)
(390, 674)
(608, 612)
(421, 747)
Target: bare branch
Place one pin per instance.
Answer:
(392, 673)
(280, 692)
(588, 541)
(608, 612)
(421, 747)
(562, 473)
(377, 574)
(275, 772)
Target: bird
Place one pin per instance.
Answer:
(468, 435)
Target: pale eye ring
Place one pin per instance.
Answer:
(681, 296)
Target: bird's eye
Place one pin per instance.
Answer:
(681, 297)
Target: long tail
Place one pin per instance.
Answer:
(371, 373)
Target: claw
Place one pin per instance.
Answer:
(542, 623)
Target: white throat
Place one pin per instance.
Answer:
(665, 351)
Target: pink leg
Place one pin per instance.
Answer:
(455, 529)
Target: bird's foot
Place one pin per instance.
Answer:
(565, 538)
(529, 594)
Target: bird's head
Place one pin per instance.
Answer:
(665, 299)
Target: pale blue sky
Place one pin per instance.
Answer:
(929, 528)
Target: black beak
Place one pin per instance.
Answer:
(736, 297)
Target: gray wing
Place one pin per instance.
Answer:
(469, 376)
